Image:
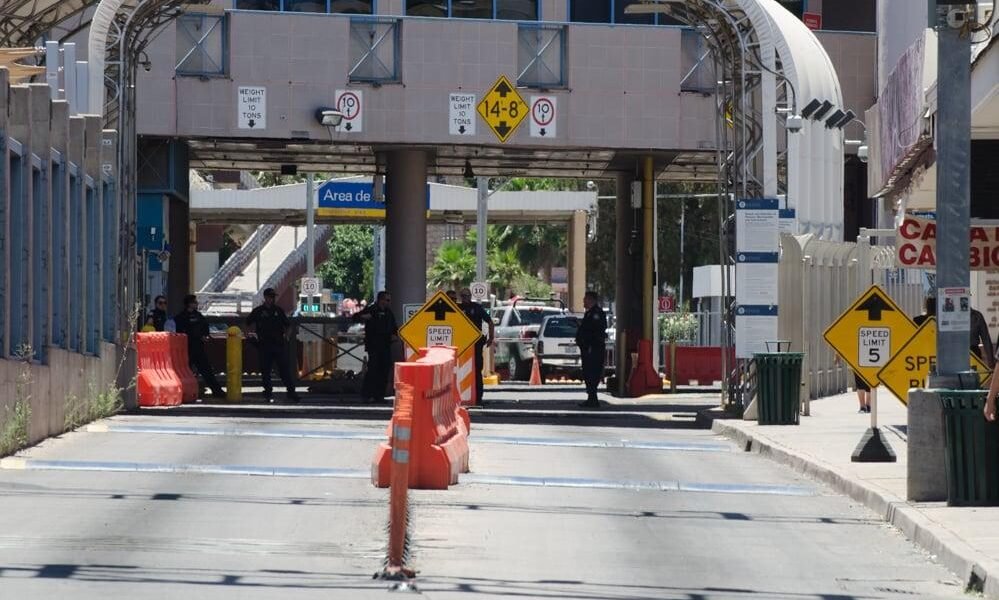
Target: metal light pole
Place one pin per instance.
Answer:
(683, 219)
(310, 225)
(481, 214)
(953, 138)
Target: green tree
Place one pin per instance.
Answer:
(271, 178)
(453, 268)
(504, 271)
(530, 286)
(350, 267)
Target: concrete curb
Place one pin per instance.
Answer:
(976, 569)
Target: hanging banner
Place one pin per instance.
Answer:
(916, 243)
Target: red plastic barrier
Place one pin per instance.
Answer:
(438, 450)
(182, 367)
(157, 384)
(696, 363)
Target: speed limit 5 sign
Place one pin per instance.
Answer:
(869, 333)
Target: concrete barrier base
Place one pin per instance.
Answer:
(926, 476)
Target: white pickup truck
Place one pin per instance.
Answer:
(517, 326)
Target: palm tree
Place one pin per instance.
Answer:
(453, 268)
(504, 269)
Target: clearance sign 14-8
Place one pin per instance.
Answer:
(916, 243)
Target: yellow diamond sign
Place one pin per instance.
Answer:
(870, 332)
(502, 108)
(439, 322)
(911, 365)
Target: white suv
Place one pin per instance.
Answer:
(517, 327)
(556, 346)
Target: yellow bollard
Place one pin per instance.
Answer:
(234, 364)
(148, 329)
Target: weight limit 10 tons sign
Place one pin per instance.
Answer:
(251, 107)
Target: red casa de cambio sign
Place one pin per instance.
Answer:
(916, 244)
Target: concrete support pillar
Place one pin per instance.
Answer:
(179, 274)
(649, 283)
(626, 298)
(577, 260)
(406, 227)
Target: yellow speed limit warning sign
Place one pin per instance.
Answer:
(439, 322)
(869, 333)
(502, 108)
(911, 365)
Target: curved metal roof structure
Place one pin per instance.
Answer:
(767, 57)
(24, 22)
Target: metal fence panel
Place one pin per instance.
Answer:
(818, 280)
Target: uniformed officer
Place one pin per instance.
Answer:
(380, 330)
(193, 324)
(591, 338)
(477, 315)
(158, 316)
(271, 326)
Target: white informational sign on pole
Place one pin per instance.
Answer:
(408, 310)
(251, 107)
(756, 282)
(756, 255)
(954, 309)
(461, 114)
(543, 116)
(756, 226)
(350, 103)
(754, 327)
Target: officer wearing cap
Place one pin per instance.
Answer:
(380, 330)
(271, 326)
(158, 316)
(193, 324)
(591, 337)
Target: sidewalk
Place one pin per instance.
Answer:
(965, 540)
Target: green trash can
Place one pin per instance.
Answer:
(778, 387)
(972, 450)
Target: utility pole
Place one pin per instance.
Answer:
(481, 214)
(310, 225)
(953, 140)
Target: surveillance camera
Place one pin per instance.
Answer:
(794, 123)
(148, 66)
(590, 185)
(329, 117)
(862, 153)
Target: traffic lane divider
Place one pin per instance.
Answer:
(438, 450)
(182, 366)
(157, 382)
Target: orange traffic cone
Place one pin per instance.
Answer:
(535, 371)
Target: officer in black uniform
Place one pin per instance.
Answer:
(477, 315)
(271, 326)
(591, 338)
(193, 324)
(380, 330)
(158, 316)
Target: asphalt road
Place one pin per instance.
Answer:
(271, 505)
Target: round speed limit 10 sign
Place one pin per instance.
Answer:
(480, 290)
(310, 286)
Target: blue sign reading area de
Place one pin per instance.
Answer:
(351, 199)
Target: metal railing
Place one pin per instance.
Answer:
(229, 303)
